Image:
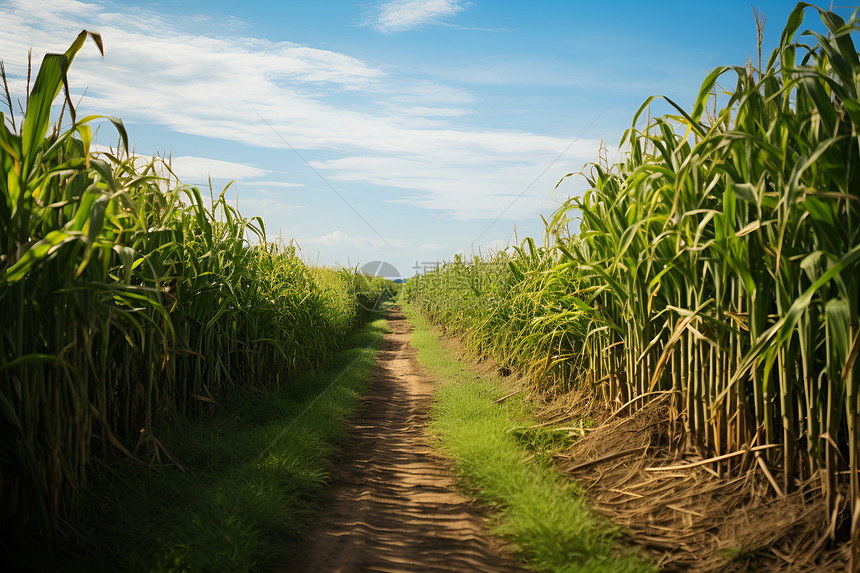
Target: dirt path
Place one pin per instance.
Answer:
(392, 503)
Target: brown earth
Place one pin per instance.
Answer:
(393, 504)
(697, 517)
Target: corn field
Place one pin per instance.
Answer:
(717, 263)
(128, 298)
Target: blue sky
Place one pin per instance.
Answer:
(404, 130)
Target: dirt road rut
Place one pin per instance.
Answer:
(392, 503)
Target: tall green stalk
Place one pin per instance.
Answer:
(718, 262)
(128, 298)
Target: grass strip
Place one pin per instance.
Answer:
(233, 509)
(542, 513)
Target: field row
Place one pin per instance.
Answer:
(127, 298)
(715, 266)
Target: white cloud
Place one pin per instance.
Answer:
(496, 246)
(401, 15)
(267, 207)
(426, 111)
(193, 169)
(338, 238)
(364, 124)
(481, 179)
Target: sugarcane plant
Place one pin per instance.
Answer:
(128, 299)
(717, 264)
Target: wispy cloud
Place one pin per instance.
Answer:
(365, 123)
(195, 169)
(267, 207)
(480, 178)
(401, 15)
(337, 238)
(425, 111)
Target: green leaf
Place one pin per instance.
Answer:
(37, 253)
(49, 80)
(745, 192)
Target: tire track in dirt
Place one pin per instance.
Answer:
(392, 504)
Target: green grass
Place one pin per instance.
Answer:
(542, 513)
(234, 510)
